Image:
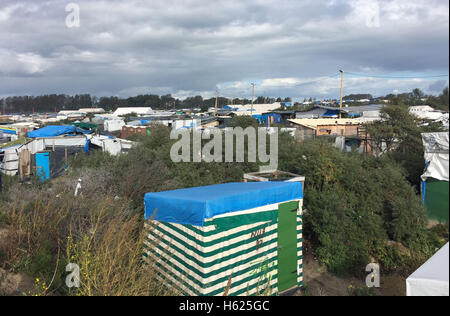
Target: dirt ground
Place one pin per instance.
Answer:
(12, 283)
(319, 282)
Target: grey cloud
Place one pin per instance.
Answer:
(172, 46)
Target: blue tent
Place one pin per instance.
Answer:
(52, 131)
(193, 206)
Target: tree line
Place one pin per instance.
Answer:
(57, 102)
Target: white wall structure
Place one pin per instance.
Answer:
(113, 125)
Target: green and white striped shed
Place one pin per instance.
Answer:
(234, 238)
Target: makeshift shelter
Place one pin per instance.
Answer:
(431, 279)
(49, 154)
(57, 130)
(244, 237)
(10, 159)
(435, 179)
(113, 146)
(113, 125)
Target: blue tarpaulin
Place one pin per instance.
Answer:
(331, 113)
(52, 131)
(8, 130)
(227, 107)
(276, 118)
(264, 118)
(192, 206)
(259, 117)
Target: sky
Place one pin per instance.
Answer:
(288, 48)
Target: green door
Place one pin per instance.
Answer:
(436, 200)
(287, 246)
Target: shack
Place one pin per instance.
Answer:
(234, 238)
(311, 128)
(435, 178)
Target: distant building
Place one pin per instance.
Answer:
(92, 110)
(421, 108)
(428, 113)
(246, 109)
(320, 111)
(137, 110)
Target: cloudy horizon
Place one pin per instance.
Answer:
(195, 47)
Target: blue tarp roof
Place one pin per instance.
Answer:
(192, 206)
(58, 130)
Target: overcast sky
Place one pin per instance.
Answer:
(288, 48)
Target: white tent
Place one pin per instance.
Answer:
(436, 155)
(137, 110)
(431, 279)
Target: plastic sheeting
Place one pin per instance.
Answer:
(431, 279)
(436, 156)
(56, 130)
(8, 130)
(113, 125)
(193, 206)
(111, 145)
(10, 163)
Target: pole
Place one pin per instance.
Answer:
(342, 91)
(253, 95)
(217, 103)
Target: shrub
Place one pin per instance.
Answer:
(354, 205)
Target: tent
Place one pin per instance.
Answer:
(435, 179)
(113, 125)
(240, 236)
(58, 130)
(431, 279)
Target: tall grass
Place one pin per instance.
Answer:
(109, 255)
(105, 241)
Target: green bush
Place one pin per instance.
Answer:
(354, 205)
